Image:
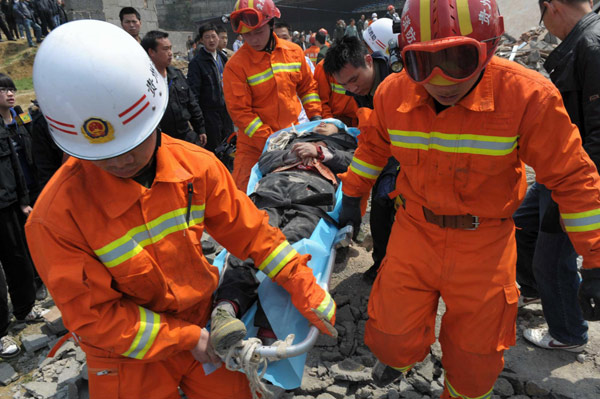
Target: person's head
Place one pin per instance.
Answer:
(349, 62)
(326, 128)
(362, 17)
(283, 30)
(240, 38)
(159, 48)
(374, 16)
(254, 20)
(321, 37)
(108, 117)
(352, 21)
(223, 38)
(447, 51)
(210, 38)
(561, 16)
(7, 92)
(391, 9)
(378, 35)
(130, 21)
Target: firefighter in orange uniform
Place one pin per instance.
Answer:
(462, 122)
(334, 101)
(115, 235)
(313, 51)
(264, 83)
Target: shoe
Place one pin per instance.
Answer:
(9, 348)
(226, 329)
(384, 375)
(527, 300)
(41, 293)
(208, 246)
(35, 314)
(542, 338)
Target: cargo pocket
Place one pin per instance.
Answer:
(103, 377)
(508, 327)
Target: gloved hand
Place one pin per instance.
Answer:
(315, 304)
(589, 294)
(350, 213)
(316, 118)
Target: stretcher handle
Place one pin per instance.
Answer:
(342, 239)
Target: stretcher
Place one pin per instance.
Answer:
(285, 320)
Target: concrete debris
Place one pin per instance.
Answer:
(7, 374)
(531, 50)
(33, 342)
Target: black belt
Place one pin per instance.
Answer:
(466, 222)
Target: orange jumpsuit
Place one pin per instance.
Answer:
(466, 160)
(124, 264)
(313, 52)
(334, 101)
(261, 91)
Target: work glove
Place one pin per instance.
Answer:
(312, 301)
(316, 118)
(350, 214)
(589, 294)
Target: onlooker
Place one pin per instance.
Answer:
(131, 22)
(14, 207)
(182, 108)
(24, 18)
(321, 42)
(391, 13)
(351, 29)
(4, 27)
(7, 9)
(340, 29)
(223, 39)
(44, 12)
(205, 77)
(547, 261)
(373, 18)
(239, 42)
(361, 25)
(296, 39)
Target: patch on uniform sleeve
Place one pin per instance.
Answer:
(97, 130)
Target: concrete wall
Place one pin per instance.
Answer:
(178, 40)
(203, 10)
(519, 15)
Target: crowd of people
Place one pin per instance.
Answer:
(112, 192)
(19, 17)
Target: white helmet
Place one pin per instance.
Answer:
(378, 35)
(98, 90)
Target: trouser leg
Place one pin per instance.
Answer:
(527, 222)
(381, 218)
(15, 262)
(245, 158)
(212, 124)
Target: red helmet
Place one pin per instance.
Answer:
(312, 38)
(477, 19)
(391, 7)
(248, 15)
(323, 31)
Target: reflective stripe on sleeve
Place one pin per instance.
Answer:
(260, 77)
(456, 143)
(277, 259)
(337, 88)
(253, 127)
(310, 98)
(134, 241)
(365, 169)
(455, 394)
(582, 221)
(148, 327)
(327, 307)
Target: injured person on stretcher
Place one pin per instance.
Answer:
(297, 190)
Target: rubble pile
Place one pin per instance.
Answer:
(531, 50)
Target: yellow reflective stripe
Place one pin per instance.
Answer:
(289, 67)
(277, 259)
(464, 17)
(455, 394)
(454, 143)
(327, 306)
(337, 88)
(365, 169)
(253, 126)
(134, 241)
(146, 335)
(403, 369)
(260, 77)
(425, 19)
(310, 98)
(581, 221)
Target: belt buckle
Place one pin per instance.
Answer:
(475, 222)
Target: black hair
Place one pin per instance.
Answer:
(321, 37)
(348, 50)
(207, 28)
(282, 24)
(150, 39)
(6, 81)
(129, 10)
(220, 29)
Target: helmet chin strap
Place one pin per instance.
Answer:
(271, 43)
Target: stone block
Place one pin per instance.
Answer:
(33, 342)
(338, 390)
(41, 390)
(503, 387)
(7, 374)
(54, 321)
